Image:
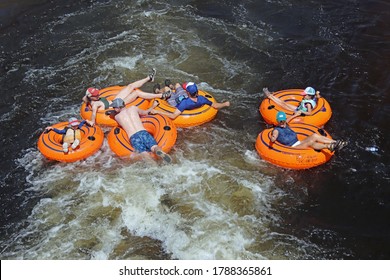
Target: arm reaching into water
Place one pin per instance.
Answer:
(218, 105)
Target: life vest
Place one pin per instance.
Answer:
(302, 106)
(71, 135)
(286, 136)
(180, 98)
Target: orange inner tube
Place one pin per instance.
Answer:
(319, 117)
(160, 127)
(288, 157)
(102, 116)
(192, 117)
(50, 143)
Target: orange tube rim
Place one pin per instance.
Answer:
(102, 118)
(160, 127)
(194, 117)
(320, 114)
(292, 158)
(50, 143)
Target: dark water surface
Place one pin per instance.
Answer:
(218, 200)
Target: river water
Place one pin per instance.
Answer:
(218, 200)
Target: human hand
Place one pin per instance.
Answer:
(155, 104)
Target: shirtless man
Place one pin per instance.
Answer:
(141, 140)
(128, 94)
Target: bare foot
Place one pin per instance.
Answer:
(267, 92)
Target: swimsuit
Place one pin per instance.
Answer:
(105, 102)
(142, 141)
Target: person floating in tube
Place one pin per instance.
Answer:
(185, 98)
(308, 102)
(129, 119)
(286, 136)
(128, 94)
(71, 134)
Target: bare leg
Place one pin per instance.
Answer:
(65, 147)
(316, 142)
(278, 101)
(75, 144)
(147, 95)
(130, 88)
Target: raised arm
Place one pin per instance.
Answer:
(85, 99)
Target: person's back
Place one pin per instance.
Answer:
(141, 140)
(129, 120)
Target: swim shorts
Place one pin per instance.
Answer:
(296, 144)
(142, 141)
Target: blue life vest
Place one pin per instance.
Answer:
(180, 98)
(286, 136)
